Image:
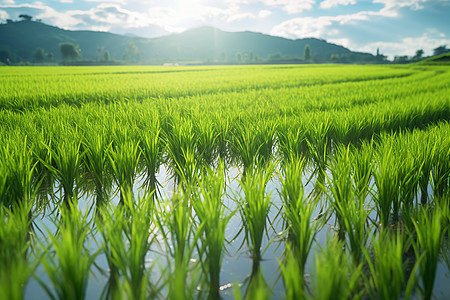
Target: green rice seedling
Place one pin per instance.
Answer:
(152, 151)
(387, 276)
(213, 220)
(408, 179)
(429, 233)
(67, 160)
(176, 226)
(97, 163)
(18, 181)
(124, 159)
(293, 277)
(362, 167)
(245, 146)
(441, 170)
(349, 210)
(253, 145)
(254, 208)
(67, 260)
(16, 266)
(387, 182)
(222, 125)
(42, 156)
(426, 158)
(257, 287)
(206, 143)
(181, 144)
(127, 241)
(266, 132)
(335, 277)
(291, 141)
(318, 147)
(298, 212)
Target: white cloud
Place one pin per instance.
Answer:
(7, 2)
(409, 45)
(303, 27)
(341, 41)
(319, 27)
(110, 1)
(247, 15)
(240, 17)
(4, 15)
(40, 11)
(291, 6)
(332, 3)
(264, 13)
(316, 27)
(413, 4)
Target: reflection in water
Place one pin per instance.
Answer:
(263, 269)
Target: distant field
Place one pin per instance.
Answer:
(311, 181)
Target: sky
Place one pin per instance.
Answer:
(395, 27)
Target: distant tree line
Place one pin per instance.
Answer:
(404, 59)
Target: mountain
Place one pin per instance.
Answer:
(20, 40)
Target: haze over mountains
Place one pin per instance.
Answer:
(20, 40)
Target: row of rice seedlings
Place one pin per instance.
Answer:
(67, 260)
(298, 211)
(362, 169)
(213, 220)
(151, 148)
(441, 166)
(319, 145)
(181, 145)
(18, 186)
(16, 263)
(267, 135)
(128, 235)
(180, 235)
(254, 208)
(67, 161)
(349, 209)
(252, 145)
(195, 168)
(115, 86)
(124, 160)
(97, 164)
(334, 276)
(387, 278)
(427, 246)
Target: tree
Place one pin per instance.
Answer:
(49, 55)
(334, 57)
(419, 54)
(440, 50)
(70, 51)
(26, 17)
(106, 56)
(307, 53)
(39, 55)
(5, 57)
(131, 52)
(401, 59)
(238, 57)
(380, 57)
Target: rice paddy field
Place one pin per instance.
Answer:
(236, 182)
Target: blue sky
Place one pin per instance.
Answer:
(396, 27)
